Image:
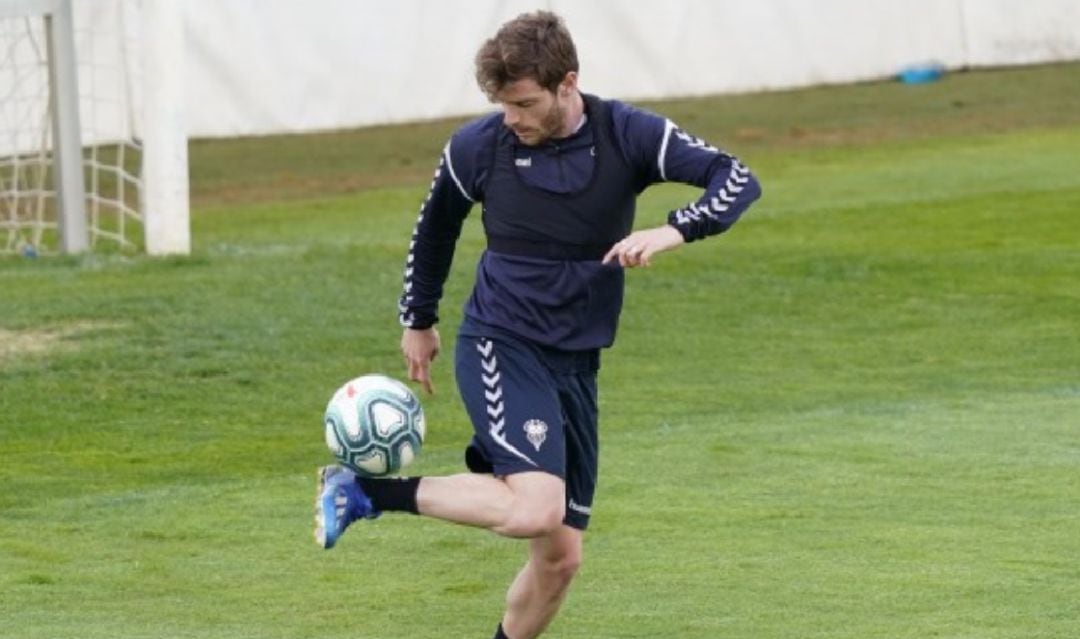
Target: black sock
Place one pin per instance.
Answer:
(500, 633)
(396, 494)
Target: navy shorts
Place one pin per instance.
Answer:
(533, 408)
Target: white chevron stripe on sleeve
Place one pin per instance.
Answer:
(718, 206)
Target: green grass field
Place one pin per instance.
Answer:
(856, 415)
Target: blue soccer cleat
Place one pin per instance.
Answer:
(339, 502)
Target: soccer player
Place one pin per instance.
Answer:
(557, 173)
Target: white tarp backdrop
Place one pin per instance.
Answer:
(272, 66)
(261, 67)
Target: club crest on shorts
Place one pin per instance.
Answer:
(536, 431)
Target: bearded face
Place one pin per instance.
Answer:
(533, 113)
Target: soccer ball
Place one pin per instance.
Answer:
(374, 425)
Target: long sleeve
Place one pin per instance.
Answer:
(459, 182)
(667, 153)
(431, 249)
(729, 186)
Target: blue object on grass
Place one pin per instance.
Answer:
(921, 73)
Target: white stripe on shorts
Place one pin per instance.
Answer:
(496, 409)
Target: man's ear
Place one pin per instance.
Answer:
(568, 85)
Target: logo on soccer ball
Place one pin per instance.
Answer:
(536, 431)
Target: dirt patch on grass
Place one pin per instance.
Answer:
(41, 341)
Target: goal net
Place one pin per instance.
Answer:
(80, 146)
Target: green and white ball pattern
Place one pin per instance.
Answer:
(374, 425)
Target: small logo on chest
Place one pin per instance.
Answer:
(536, 431)
(526, 162)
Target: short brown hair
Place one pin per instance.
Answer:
(533, 45)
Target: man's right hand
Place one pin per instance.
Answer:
(420, 347)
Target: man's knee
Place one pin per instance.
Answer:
(563, 567)
(557, 557)
(530, 519)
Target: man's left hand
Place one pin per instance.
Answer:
(638, 248)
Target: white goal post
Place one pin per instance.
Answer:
(93, 142)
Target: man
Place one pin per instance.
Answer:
(557, 173)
